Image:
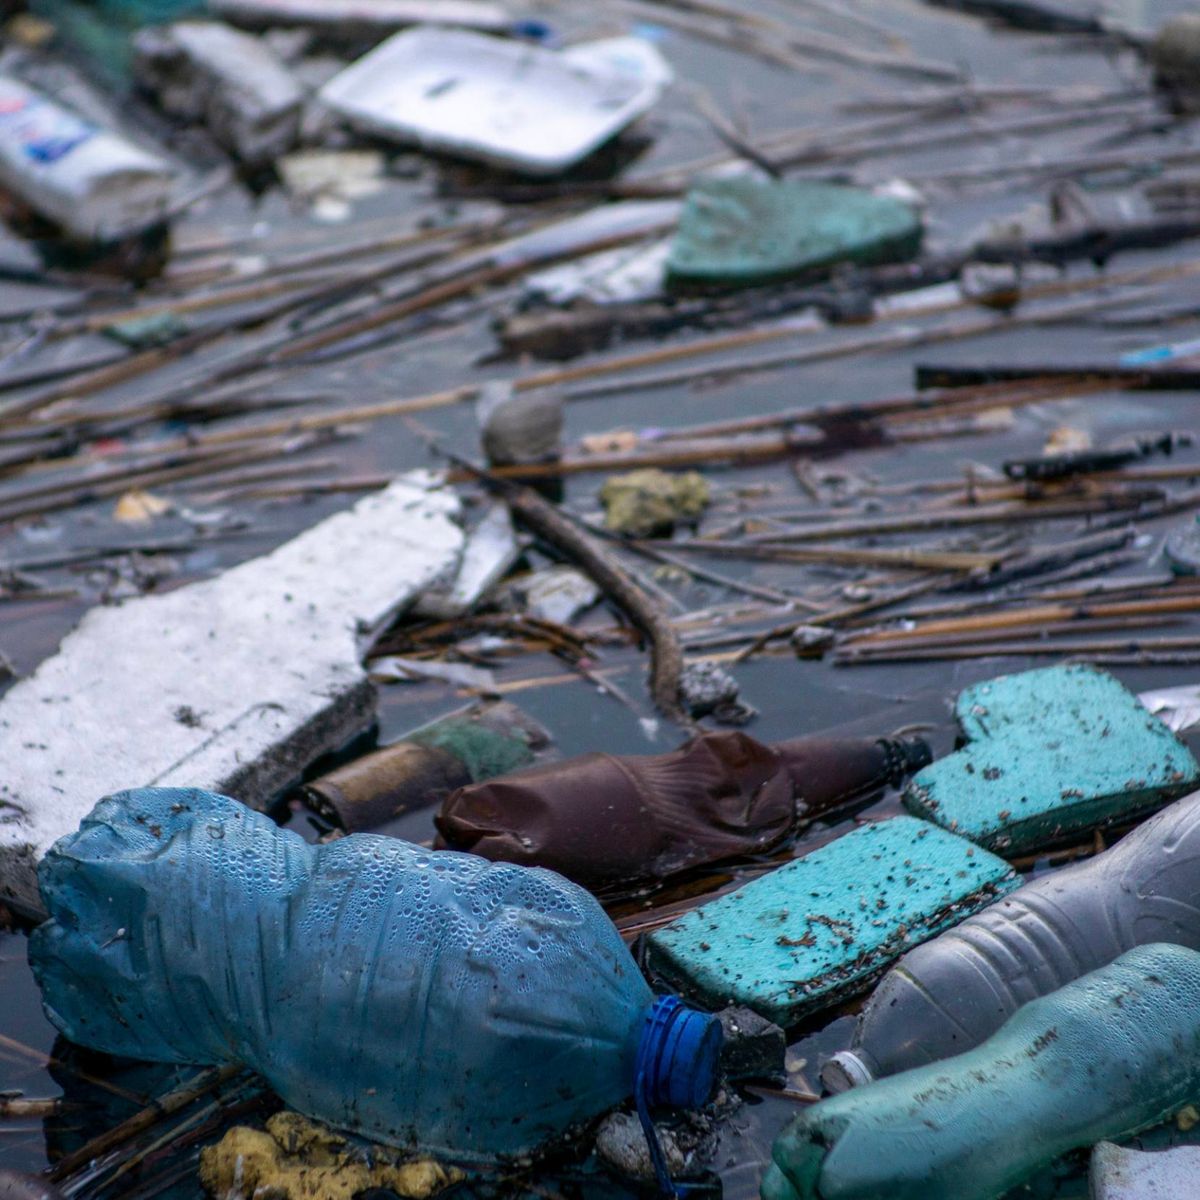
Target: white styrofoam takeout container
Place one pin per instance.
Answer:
(509, 103)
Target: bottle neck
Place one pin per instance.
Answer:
(677, 1059)
(677, 1055)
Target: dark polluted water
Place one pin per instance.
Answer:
(793, 696)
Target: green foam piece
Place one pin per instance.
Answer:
(144, 333)
(1050, 753)
(825, 925)
(484, 750)
(741, 231)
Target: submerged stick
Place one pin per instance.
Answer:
(666, 654)
(164, 1106)
(545, 521)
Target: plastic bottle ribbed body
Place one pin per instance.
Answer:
(951, 993)
(428, 1000)
(1111, 1053)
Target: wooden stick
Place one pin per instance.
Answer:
(1118, 651)
(666, 656)
(903, 558)
(848, 612)
(868, 343)
(164, 1106)
(16, 1107)
(1075, 626)
(992, 514)
(553, 527)
(1019, 618)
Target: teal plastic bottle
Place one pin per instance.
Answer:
(433, 1001)
(1113, 1052)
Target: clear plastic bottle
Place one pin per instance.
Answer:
(1111, 1053)
(427, 1000)
(953, 992)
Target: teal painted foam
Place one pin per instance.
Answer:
(741, 231)
(826, 924)
(1050, 753)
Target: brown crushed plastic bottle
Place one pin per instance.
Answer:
(604, 820)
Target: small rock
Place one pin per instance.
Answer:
(621, 1143)
(649, 502)
(1182, 549)
(754, 1048)
(811, 641)
(995, 285)
(519, 429)
(557, 594)
(705, 686)
(1174, 56)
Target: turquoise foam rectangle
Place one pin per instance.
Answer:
(825, 925)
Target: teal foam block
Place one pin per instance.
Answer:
(1050, 753)
(825, 925)
(741, 231)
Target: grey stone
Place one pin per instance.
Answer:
(519, 429)
(557, 594)
(705, 685)
(754, 1047)
(235, 683)
(621, 1143)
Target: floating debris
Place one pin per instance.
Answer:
(298, 1159)
(740, 231)
(1050, 754)
(823, 926)
(527, 108)
(422, 769)
(203, 71)
(650, 502)
(1103, 1057)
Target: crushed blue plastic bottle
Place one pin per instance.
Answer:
(434, 1001)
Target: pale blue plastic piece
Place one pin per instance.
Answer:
(825, 925)
(427, 1000)
(1050, 754)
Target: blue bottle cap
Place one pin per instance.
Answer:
(532, 30)
(677, 1055)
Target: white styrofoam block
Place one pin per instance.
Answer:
(234, 683)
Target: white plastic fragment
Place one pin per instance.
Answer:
(232, 81)
(557, 594)
(90, 181)
(234, 684)
(355, 16)
(1177, 707)
(625, 219)
(394, 669)
(1118, 1173)
(490, 552)
(624, 275)
(631, 55)
(516, 105)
